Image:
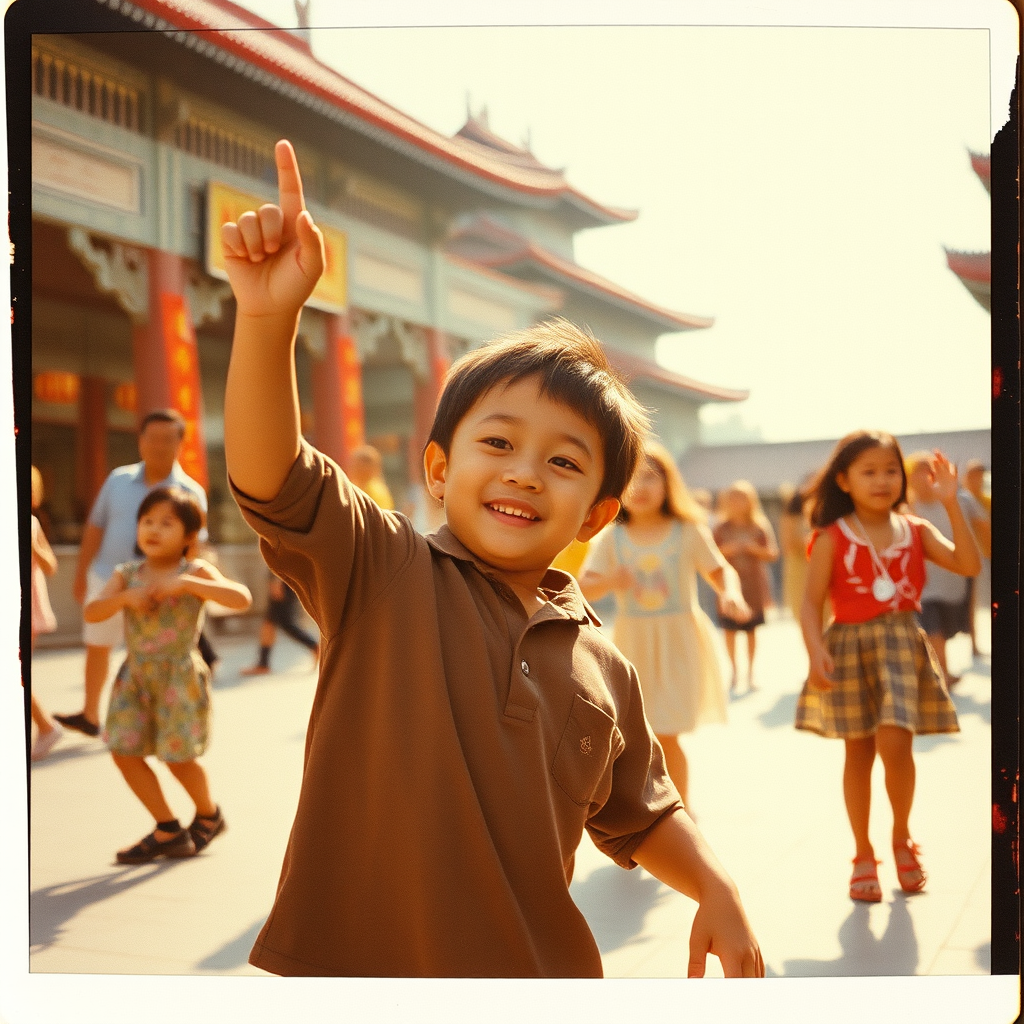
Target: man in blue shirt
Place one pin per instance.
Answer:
(109, 539)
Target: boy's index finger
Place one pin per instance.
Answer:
(289, 183)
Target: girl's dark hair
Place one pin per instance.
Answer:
(829, 501)
(573, 370)
(184, 503)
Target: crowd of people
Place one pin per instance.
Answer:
(508, 677)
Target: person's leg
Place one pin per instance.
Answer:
(145, 785)
(895, 748)
(42, 720)
(751, 648)
(860, 757)
(678, 769)
(267, 639)
(206, 651)
(193, 778)
(97, 664)
(730, 649)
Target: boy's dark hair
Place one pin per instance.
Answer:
(164, 416)
(830, 502)
(184, 503)
(573, 369)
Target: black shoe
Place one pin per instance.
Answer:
(79, 723)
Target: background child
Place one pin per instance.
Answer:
(160, 701)
(650, 559)
(744, 535)
(44, 563)
(874, 680)
(282, 611)
(470, 720)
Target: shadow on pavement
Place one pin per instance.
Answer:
(234, 953)
(49, 908)
(616, 902)
(894, 954)
(983, 956)
(782, 712)
(61, 754)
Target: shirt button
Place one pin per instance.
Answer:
(525, 668)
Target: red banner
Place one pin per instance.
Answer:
(350, 389)
(183, 382)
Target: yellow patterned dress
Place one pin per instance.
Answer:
(660, 627)
(160, 701)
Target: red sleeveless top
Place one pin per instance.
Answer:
(853, 571)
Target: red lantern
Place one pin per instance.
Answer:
(125, 397)
(56, 386)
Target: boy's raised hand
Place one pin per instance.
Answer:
(275, 255)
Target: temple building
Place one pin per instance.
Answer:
(975, 268)
(156, 126)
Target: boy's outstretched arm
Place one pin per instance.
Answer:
(274, 258)
(676, 853)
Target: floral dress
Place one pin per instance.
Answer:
(160, 701)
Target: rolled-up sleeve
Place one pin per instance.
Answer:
(331, 543)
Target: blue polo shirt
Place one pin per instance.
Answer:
(117, 506)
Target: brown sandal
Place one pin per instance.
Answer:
(206, 827)
(908, 868)
(149, 848)
(864, 883)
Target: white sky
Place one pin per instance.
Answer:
(797, 184)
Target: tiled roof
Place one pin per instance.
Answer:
(563, 271)
(982, 165)
(279, 59)
(638, 368)
(974, 266)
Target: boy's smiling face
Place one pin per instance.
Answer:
(521, 480)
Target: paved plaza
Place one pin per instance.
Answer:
(767, 797)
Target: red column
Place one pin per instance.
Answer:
(166, 358)
(338, 411)
(91, 455)
(425, 395)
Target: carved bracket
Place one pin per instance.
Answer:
(371, 329)
(206, 297)
(117, 269)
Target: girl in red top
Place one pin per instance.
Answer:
(874, 681)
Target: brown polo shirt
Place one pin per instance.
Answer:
(455, 752)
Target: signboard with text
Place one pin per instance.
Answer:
(224, 204)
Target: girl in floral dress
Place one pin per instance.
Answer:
(160, 702)
(650, 559)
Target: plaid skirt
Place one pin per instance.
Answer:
(886, 673)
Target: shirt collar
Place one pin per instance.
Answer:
(176, 474)
(564, 599)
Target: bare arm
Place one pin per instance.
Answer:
(726, 584)
(92, 538)
(274, 258)
(962, 555)
(676, 853)
(208, 584)
(42, 550)
(819, 572)
(983, 535)
(595, 585)
(113, 597)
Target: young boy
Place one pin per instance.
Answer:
(470, 719)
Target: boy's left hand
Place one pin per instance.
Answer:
(720, 927)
